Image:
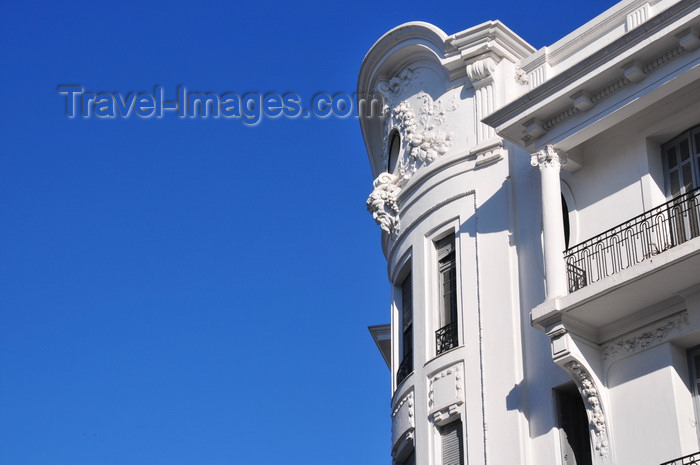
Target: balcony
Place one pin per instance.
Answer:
(646, 263)
(405, 368)
(446, 338)
(692, 459)
(634, 241)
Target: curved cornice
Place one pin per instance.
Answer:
(394, 48)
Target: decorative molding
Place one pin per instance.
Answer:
(407, 399)
(421, 138)
(392, 89)
(647, 336)
(566, 354)
(608, 90)
(403, 424)
(663, 59)
(423, 142)
(480, 69)
(521, 76)
(437, 206)
(459, 390)
(537, 76)
(446, 410)
(633, 72)
(549, 157)
(480, 73)
(637, 17)
(383, 204)
(591, 399)
(616, 48)
(446, 414)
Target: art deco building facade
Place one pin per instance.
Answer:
(540, 217)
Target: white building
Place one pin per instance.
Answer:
(540, 217)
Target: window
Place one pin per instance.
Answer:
(394, 149)
(573, 426)
(452, 443)
(406, 365)
(681, 160)
(682, 163)
(446, 337)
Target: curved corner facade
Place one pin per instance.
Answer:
(513, 337)
(444, 199)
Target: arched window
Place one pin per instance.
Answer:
(394, 149)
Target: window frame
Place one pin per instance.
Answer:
(692, 136)
(446, 320)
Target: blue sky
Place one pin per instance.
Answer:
(197, 291)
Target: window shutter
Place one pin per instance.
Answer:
(452, 450)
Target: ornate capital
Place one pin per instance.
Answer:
(383, 205)
(549, 157)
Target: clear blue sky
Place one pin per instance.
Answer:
(190, 291)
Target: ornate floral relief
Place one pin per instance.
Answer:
(392, 89)
(549, 157)
(423, 141)
(647, 336)
(591, 399)
(383, 205)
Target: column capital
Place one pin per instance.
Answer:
(549, 157)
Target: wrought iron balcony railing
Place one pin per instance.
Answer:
(633, 241)
(692, 459)
(446, 338)
(405, 368)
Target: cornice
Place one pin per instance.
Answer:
(585, 35)
(491, 36)
(592, 63)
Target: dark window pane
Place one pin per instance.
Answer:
(671, 157)
(684, 149)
